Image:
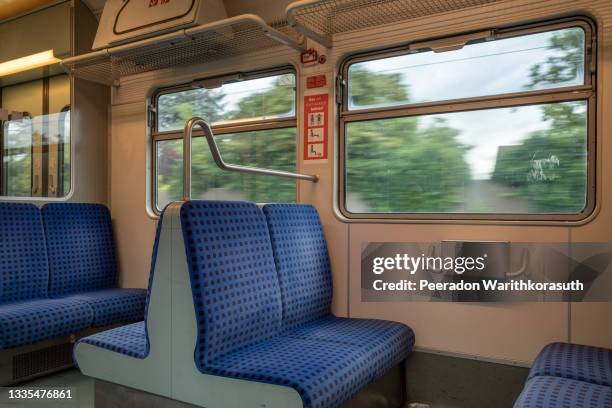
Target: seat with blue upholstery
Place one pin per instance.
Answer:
(557, 392)
(130, 340)
(27, 315)
(83, 265)
(304, 273)
(569, 375)
(223, 318)
(574, 361)
(262, 287)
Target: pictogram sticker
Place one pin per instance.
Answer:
(316, 121)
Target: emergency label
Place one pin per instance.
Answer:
(316, 120)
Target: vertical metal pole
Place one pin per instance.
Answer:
(187, 139)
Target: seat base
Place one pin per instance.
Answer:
(25, 363)
(386, 392)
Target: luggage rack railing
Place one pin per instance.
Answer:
(216, 154)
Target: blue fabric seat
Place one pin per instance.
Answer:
(557, 392)
(27, 315)
(352, 332)
(130, 340)
(24, 268)
(83, 264)
(325, 374)
(302, 262)
(111, 306)
(574, 361)
(389, 342)
(30, 321)
(262, 293)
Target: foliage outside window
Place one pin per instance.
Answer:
(254, 124)
(497, 128)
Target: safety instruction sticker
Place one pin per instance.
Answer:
(316, 120)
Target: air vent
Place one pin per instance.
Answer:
(36, 362)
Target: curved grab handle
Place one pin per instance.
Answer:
(523, 268)
(216, 154)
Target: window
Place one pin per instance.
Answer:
(254, 120)
(500, 127)
(35, 138)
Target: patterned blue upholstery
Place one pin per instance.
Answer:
(556, 392)
(243, 329)
(130, 340)
(578, 362)
(355, 332)
(325, 374)
(302, 261)
(30, 321)
(233, 277)
(81, 248)
(24, 270)
(111, 306)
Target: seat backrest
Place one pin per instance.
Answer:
(81, 248)
(152, 273)
(233, 279)
(24, 269)
(302, 261)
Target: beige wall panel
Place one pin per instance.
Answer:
(336, 233)
(590, 322)
(512, 332)
(26, 97)
(134, 229)
(320, 194)
(89, 128)
(59, 93)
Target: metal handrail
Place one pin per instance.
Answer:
(216, 154)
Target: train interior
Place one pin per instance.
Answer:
(311, 203)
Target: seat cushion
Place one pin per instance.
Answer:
(390, 341)
(24, 269)
(575, 361)
(302, 261)
(81, 248)
(556, 392)
(352, 331)
(130, 340)
(325, 374)
(111, 306)
(30, 321)
(233, 278)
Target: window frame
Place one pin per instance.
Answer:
(586, 92)
(239, 126)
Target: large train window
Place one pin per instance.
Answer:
(491, 125)
(35, 138)
(254, 118)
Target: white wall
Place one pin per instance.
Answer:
(504, 332)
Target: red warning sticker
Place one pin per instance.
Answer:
(316, 126)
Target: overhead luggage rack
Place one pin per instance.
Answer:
(204, 43)
(321, 19)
